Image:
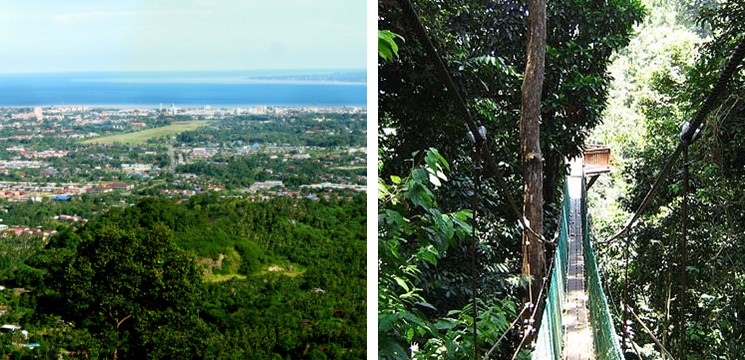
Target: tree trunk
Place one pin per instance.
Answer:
(534, 261)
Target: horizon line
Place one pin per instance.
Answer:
(361, 69)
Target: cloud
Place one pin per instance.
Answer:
(208, 34)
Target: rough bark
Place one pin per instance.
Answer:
(533, 256)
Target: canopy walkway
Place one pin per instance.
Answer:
(576, 323)
(576, 313)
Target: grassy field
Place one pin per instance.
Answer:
(293, 270)
(222, 277)
(140, 137)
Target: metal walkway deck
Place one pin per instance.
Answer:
(578, 343)
(577, 323)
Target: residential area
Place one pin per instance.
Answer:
(73, 154)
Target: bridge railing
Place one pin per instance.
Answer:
(550, 334)
(605, 339)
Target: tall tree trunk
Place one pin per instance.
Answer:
(534, 261)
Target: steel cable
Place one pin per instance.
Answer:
(687, 137)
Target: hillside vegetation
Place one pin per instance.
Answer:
(286, 280)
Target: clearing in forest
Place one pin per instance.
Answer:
(140, 137)
(291, 270)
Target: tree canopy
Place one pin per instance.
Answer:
(211, 277)
(482, 45)
(697, 317)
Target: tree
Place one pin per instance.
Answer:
(534, 259)
(132, 290)
(671, 89)
(414, 235)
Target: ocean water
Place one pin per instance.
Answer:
(184, 89)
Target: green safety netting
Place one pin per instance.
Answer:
(603, 334)
(549, 339)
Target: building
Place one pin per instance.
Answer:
(116, 185)
(38, 113)
(265, 185)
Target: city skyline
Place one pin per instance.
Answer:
(190, 35)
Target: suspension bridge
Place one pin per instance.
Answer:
(576, 322)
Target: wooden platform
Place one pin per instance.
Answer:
(576, 317)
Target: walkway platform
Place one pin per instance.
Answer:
(578, 343)
(577, 323)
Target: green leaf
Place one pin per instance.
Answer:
(416, 320)
(401, 282)
(383, 191)
(427, 305)
(446, 324)
(433, 159)
(387, 47)
(386, 322)
(384, 50)
(444, 225)
(429, 254)
(409, 334)
(393, 218)
(420, 176)
(461, 219)
(421, 196)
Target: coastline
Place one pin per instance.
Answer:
(187, 106)
(227, 90)
(218, 81)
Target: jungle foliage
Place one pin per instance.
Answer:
(208, 278)
(482, 43)
(693, 43)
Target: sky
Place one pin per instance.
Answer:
(181, 35)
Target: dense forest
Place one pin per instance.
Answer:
(687, 290)
(624, 73)
(211, 277)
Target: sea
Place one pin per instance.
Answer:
(227, 89)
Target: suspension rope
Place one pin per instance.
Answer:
(477, 169)
(682, 273)
(529, 329)
(507, 331)
(663, 350)
(688, 135)
(625, 298)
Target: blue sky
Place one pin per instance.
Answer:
(153, 35)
